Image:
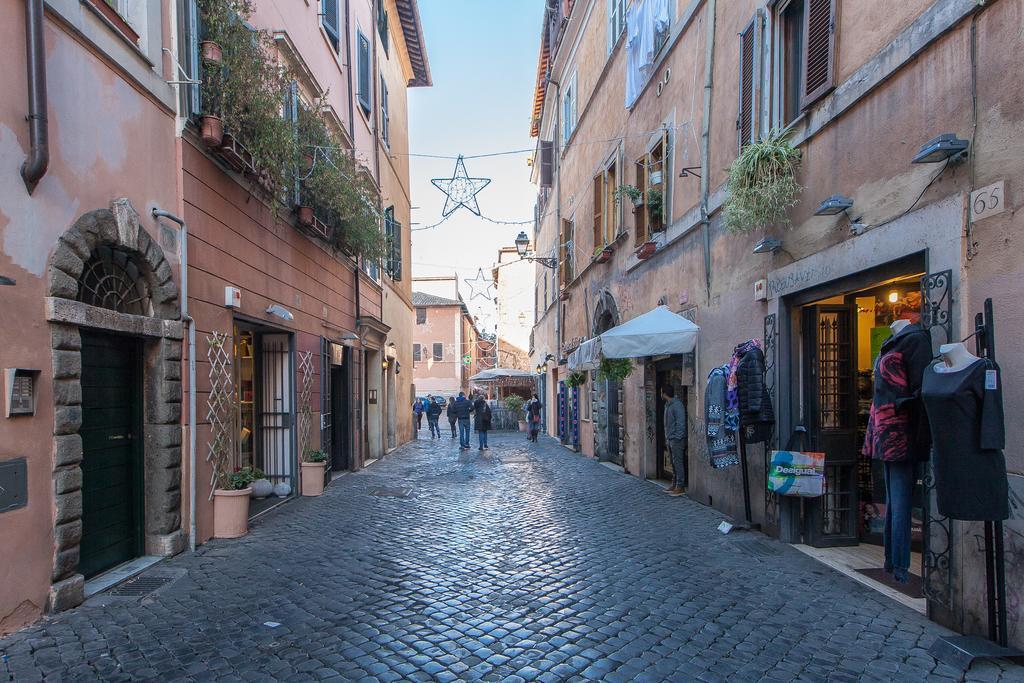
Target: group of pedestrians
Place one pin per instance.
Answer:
(459, 411)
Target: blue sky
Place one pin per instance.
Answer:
(483, 59)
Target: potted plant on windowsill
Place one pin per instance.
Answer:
(314, 462)
(231, 502)
(634, 193)
(603, 255)
(656, 207)
(515, 404)
(646, 250)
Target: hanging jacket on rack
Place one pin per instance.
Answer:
(721, 439)
(757, 416)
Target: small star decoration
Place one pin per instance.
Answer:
(479, 285)
(460, 189)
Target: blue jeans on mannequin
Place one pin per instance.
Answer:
(482, 438)
(464, 432)
(900, 478)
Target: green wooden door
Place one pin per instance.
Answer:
(111, 442)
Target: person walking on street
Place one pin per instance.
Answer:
(463, 409)
(482, 422)
(433, 414)
(675, 437)
(451, 414)
(533, 418)
(417, 414)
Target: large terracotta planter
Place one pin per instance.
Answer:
(313, 478)
(304, 215)
(522, 425)
(231, 513)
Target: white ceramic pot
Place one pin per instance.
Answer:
(261, 488)
(282, 490)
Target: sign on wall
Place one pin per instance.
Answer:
(988, 201)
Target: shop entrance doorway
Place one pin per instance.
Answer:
(840, 335)
(668, 372)
(341, 438)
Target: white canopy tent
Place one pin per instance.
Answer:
(655, 333)
(495, 374)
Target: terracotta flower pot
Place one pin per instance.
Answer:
(646, 250)
(307, 162)
(211, 51)
(604, 255)
(231, 513)
(564, 296)
(211, 128)
(522, 425)
(313, 478)
(304, 214)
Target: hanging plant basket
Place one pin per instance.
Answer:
(211, 129)
(762, 184)
(211, 51)
(576, 379)
(614, 369)
(646, 250)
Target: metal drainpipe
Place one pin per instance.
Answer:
(348, 63)
(705, 142)
(34, 167)
(556, 154)
(183, 301)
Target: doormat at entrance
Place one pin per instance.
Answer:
(391, 492)
(912, 589)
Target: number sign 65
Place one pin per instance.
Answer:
(987, 201)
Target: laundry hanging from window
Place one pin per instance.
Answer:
(647, 28)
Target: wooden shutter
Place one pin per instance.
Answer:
(547, 156)
(363, 63)
(819, 50)
(640, 214)
(598, 211)
(331, 22)
(745, 121)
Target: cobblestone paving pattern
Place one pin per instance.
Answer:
(554, 569)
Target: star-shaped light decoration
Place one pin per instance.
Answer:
(479, 285)
(460, 189)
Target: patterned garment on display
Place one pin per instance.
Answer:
(722, 446)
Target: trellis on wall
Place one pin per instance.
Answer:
(219, 409)
(305, 396)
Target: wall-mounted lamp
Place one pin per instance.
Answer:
(540, 370)
(523, 248)
(835, 204)
(768, 245)
(384, 365)
(280, 311)
(941, 148)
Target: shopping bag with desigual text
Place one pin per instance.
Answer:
(796, 473)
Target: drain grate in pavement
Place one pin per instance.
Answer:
(391, 492)
(758, 548)
(141, 586)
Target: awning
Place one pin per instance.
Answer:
(587, 355)
(654, 333)
(495, 374)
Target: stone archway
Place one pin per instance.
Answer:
(608, 408)
(154, 319)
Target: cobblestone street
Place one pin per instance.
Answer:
(529, 563)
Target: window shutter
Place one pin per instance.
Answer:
(382, 25)
(745, 121)
(396, 250)
(331, 22)
(438, 351)
(819, 49)
(364, 73)
(547, 157)
(598, 211)
(194, 69)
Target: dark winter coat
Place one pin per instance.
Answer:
(482, 412)
(462, 409)
(451, 411)
(757, 417)
(434, 410)
(897, 424)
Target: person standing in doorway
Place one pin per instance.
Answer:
(675, 437)
(533, 417)
(452, 419)
(463, 409)
(417, 414)
(433, 415)
(482, 422)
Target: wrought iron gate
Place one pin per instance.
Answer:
(936, 317)
(277, 409)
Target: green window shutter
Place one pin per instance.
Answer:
(332, 22)
(363, 65)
